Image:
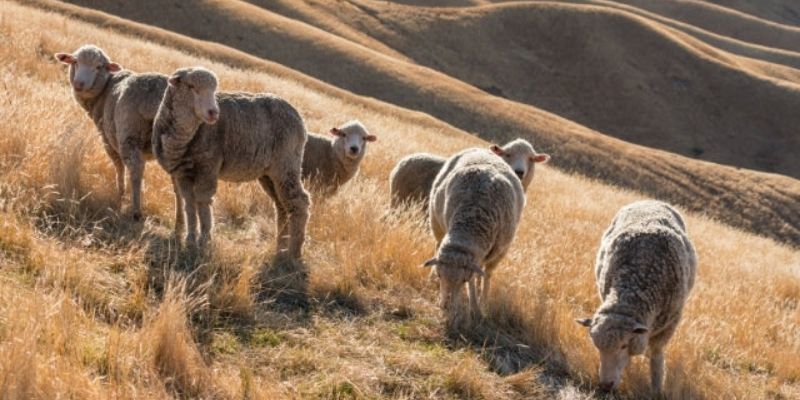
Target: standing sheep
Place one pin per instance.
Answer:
(475, 206)
(201, 136)
(522, 158)
(645, 269)
(122, 106)
(329, 164)
(412, 178)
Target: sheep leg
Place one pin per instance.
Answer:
(180, 224)
(656, 368)
(473, 299)
(135, 163)
(486, 283)
(186, 188)
(119, 167)
(280, 211)
(296, 201)
(204, 190)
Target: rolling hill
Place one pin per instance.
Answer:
(94, 305)
(662, 90)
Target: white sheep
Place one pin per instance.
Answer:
(522, 158)
(475, 206)
(412, 178)
(645, 270)
(201, 135)
(122, 105)
(330, 163)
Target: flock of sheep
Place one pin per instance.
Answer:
(645, 266)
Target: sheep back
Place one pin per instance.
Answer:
(412, 178)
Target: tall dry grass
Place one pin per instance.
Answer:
(96, 306)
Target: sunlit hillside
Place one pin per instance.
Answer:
(95, 306)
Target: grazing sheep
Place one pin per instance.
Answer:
(201, 136)
(475, 206)
(412, 178)
(522, 158)
(645, 269)
(331, 163)
(122, 105)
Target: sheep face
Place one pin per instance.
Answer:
(453, 271)
(617, 339)
(521, 157)
(197, 86)
(351, 140)
(89, 70)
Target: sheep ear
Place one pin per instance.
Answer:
(431, 262)
(336, 132)
(65, 58)
(587, 322)
(496, 150)
(113, 67)
(640, 329)
(541, 158)
(174, 80)
(370, 138)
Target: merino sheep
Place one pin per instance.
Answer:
(122, 105)
(201, 135)
(522, 158)
(645, 269)
(329, 164)
(475, 207)
(412, 178)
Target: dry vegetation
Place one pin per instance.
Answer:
(95, 306)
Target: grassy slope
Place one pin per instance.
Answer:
(94, 306)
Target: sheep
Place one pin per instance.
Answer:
(475, 206)
(522, 158)
(645, 270)
(329, 164)
(412, 178)
(122, 105)
(201, 135)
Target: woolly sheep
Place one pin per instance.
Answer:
(645, 269)
(475, 206)
(330, 163)
(122, 105)
(201, 135)
(412, 178)
(522, 158)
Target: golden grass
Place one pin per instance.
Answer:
(95, 306)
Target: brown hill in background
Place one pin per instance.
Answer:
(780, 11)
(611, 70)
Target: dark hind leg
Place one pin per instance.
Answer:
(280, 212)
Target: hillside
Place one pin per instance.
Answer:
(95, 306)
(675, 108)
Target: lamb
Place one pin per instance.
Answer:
(522, 158)
(329, 164)
(645, 269)
(201, 135)
(122, 105)
(475, 206)
(412, 178)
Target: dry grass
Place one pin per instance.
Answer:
(95, 306)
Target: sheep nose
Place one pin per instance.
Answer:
(606, 386)
(519, 173)
(213, 115)
(78, 86)
(354, 149)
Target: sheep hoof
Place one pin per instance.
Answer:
(137, 216)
